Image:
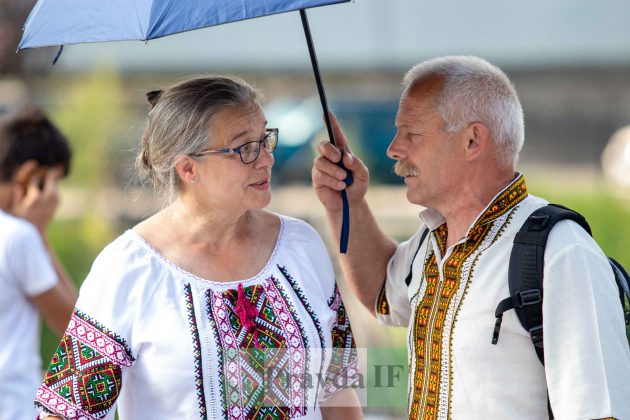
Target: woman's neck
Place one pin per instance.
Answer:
(216, 228)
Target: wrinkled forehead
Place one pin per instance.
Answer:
(414, 108)
(235, 123)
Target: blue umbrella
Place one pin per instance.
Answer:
(60, 22)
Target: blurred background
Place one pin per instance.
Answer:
(569, 60)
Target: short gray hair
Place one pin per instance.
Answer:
(178, 123)
(475, 91)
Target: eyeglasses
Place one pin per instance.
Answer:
(249, 151)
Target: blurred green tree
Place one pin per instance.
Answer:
(92, 112)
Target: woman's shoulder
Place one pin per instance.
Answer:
(298, 229)
(299, 236)
(123, 250)
(119, 288)
(123, 265)
(304, 254)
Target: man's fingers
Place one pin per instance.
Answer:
(328, 174)
(329, 151)
(341, 142)
(331, 169)
(349, 161)
(322, 179)
(340, 137)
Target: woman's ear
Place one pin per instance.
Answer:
(186, 168)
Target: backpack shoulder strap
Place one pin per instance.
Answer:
(525, 272)
(623, 284)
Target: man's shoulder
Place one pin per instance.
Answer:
(564, 235)
(519, 214)
(568, 237)
(530, 204)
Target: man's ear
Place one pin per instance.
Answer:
(186, 168)
(24, 172)
(477, 141)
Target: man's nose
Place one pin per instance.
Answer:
(394, 151)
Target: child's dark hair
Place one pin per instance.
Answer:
(29, 135)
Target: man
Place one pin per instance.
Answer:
(34, 155)
(459, 132)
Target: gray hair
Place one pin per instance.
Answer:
(475, 91)
(178, 122)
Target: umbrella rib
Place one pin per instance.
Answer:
(148, 28)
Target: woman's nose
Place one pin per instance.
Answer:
(265, 158)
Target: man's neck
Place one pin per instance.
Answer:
(474, 198)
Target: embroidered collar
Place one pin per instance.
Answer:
(503, 202)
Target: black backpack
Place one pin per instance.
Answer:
(525, 275)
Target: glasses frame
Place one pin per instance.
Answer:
(237, 150)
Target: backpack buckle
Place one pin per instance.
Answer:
(527, 297)
(536, 333)
(539, 222)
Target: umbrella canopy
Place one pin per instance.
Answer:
(59, 22)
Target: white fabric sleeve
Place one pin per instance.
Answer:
(392, 305)
(29, 262)
(97, 350)
(587, 359)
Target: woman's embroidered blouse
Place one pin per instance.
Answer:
(155, 340)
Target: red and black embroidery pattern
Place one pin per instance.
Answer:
(342, 369)
(85, 375)
(264, 380)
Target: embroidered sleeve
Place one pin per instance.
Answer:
(342, 370)
(85, 374)
(382, 306)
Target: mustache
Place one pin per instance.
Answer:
(405, 168)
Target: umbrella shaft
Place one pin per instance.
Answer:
(318, 79)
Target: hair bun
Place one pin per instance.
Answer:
(153, 97)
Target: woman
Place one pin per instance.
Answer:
(213, 307)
